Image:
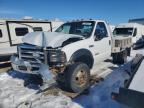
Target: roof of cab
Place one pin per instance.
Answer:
(87, 20)
(126, 25)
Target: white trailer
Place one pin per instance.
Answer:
(12, 31)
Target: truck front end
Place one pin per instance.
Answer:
(121, 43)
(121, 48)
(44, 62)
(32, 58)
(130, 30)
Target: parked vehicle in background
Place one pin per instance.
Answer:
(12, 31)
(70, 52)
(134, 30)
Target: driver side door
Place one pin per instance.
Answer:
(102, 42)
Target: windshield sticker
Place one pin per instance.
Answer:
(86, 23)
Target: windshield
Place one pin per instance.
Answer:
(83, 28)
(123, 31)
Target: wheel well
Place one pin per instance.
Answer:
(83, 56)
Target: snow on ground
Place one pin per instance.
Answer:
(13, 94)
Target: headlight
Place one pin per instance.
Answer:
(56, 56)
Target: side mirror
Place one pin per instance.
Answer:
(98, 35)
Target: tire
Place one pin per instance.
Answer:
(128, 51)
(77, 77)
(120, 58)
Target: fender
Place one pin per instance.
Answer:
(83, 55)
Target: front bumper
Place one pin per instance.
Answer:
(25, 67)
(21, 65)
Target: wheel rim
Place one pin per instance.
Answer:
(81, 78)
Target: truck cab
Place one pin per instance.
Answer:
(96, 39)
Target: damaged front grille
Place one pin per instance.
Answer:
(32, 54)
(123, 43)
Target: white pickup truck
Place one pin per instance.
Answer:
(70, 52)
(134, 30)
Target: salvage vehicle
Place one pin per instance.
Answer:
(135, 30)
(69, 53)
(12, 31)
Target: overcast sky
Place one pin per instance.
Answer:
(113, 11)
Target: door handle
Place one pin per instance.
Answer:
(90, 46)
(97, 54)
(109, 42)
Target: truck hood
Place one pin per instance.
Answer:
(47, 39)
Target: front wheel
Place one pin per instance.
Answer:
(77, 77)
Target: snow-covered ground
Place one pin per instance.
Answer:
(14, 95)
